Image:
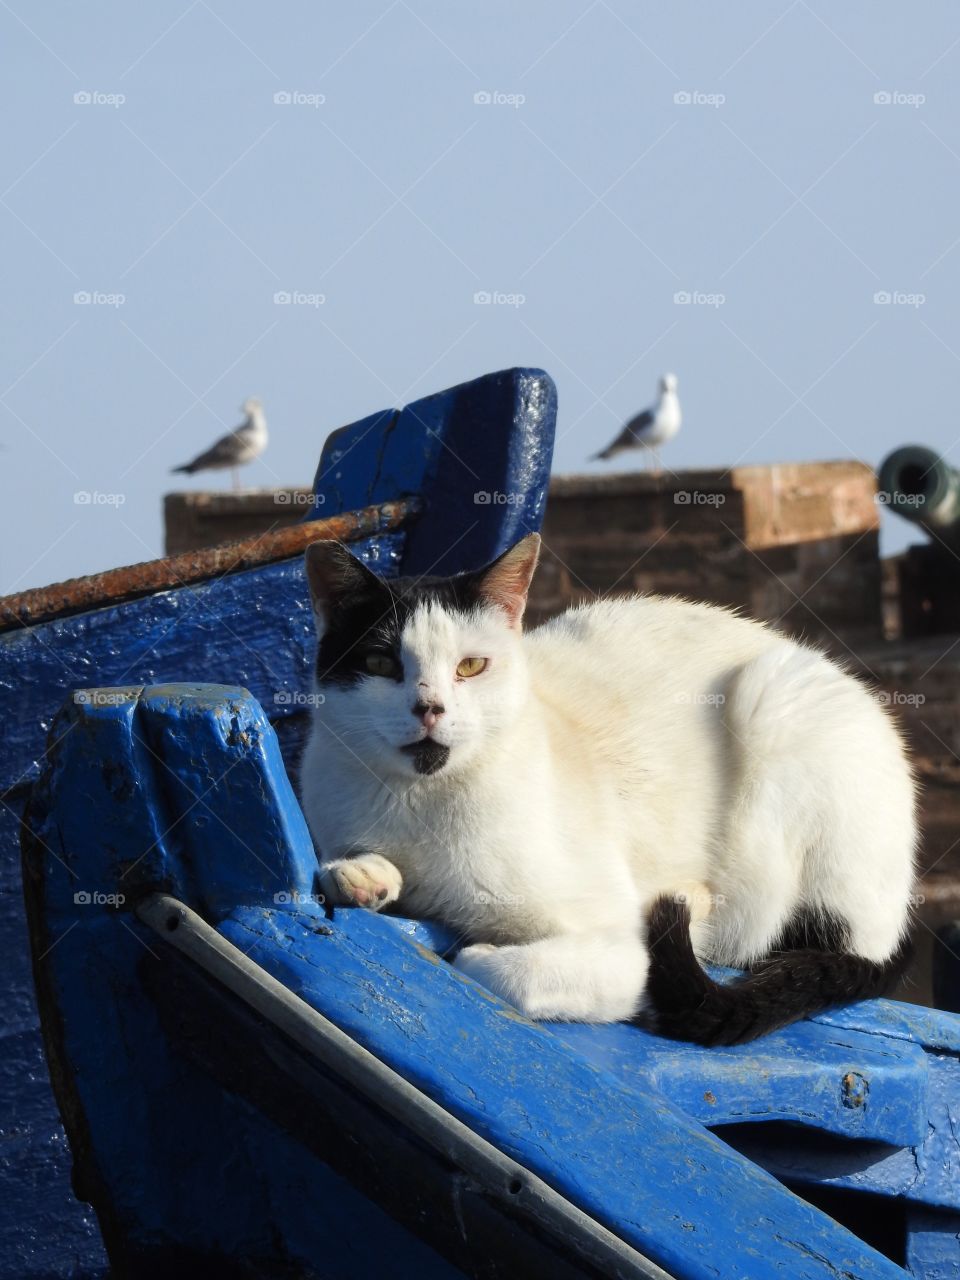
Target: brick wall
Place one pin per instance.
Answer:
(795, 544)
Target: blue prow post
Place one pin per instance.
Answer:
(250, 626)
(480, 453)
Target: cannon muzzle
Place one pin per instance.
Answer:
(916, 483)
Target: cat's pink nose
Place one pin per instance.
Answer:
(428, 712)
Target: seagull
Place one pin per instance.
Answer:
(237, 447)
(653, 427)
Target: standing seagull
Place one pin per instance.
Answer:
(237, 447)
(653, 427)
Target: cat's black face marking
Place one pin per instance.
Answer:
(370, 618)
(428, 756)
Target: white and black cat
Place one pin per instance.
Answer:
(567, 799)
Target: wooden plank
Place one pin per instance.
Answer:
(116, 586)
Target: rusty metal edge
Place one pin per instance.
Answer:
(116, 586)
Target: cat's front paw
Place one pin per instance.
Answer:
(368, 880)
(503, 971)
(482, 963)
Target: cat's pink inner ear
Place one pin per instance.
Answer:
(507, 581)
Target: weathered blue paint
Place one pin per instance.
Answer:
(482, 453)
(806, 1074)
(933, 1243)
(252, 628)
(926, 1172)
(137, 1142)
(190, 793)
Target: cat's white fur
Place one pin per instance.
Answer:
(625, 749)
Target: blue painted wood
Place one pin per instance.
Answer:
(933, 1244)
(174, 1156)
(847, 1085)
(253, 628)
(926, 1172)
(190, 792)
(868, 1082)
(481, 450)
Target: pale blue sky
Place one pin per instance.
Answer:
(782, 186)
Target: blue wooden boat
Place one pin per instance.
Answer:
(255, 1085)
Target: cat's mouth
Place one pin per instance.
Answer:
(428, 756)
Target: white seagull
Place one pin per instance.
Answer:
(652, 428)
(237, 447)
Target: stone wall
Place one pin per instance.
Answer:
(795, 544)
(196, 519)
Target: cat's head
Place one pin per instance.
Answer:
(418, 675)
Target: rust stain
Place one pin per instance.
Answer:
(425, 952)
(710, 1097)
(116, 586)
(854, 1089)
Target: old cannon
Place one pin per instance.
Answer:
(916, 483)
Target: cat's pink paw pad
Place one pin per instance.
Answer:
(369, 880)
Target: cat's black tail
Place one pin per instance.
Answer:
(686, 1003)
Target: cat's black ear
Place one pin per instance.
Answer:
(333, 575)
(505, 583)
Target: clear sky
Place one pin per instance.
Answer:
(780, 163)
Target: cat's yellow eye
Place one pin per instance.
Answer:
(380, 664)
(471, 667)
